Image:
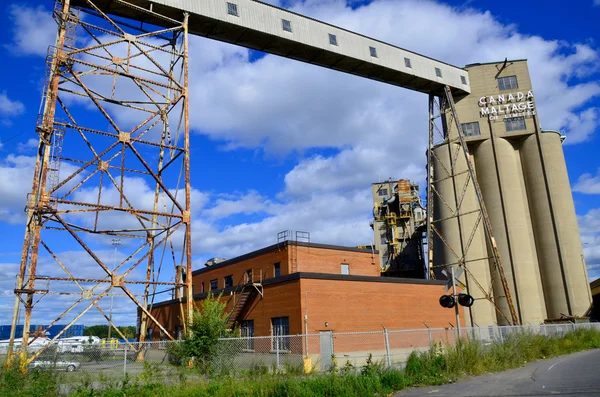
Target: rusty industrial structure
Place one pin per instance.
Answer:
(133, 129)
(126, 62)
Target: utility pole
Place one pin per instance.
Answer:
(116, 242)
(455, 295)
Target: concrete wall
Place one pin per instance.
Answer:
(526, 190)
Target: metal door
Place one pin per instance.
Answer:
(326, 349)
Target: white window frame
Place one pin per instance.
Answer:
(508, 83)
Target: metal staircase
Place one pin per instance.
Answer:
(249, 287)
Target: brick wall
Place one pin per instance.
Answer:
(263, 262)
(326, 260)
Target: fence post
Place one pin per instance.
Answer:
(277, 350)
(387, 347)
(125, 361)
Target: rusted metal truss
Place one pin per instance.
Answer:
(456, 167)
(112, 161)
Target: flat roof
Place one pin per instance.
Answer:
(281, 245)
(257, 25)
(315, 276)
(494, 63)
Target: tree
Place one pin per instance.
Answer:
(209, 324)
(101, 331)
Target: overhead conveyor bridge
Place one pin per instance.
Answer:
(260, 26)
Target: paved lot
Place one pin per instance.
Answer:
(573, 375)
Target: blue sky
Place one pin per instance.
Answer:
(281, 145)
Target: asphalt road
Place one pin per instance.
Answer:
(573, 375)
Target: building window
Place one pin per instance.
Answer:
(277, 269)
(232, 9)
(228, 281)
(332, 39)
(373, 51)
(515, 124)
(247, 331)
(471, 129)
(407, 63)
(382, 192)
(214, 284)
(248, 276)
(463, 80)
(345, 268)
(438, 72)
(202, 289)
(280, 328)
(286, 25)
(507, 83)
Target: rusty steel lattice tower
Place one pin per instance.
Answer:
(112, 161)
(459, 231)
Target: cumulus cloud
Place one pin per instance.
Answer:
(589, 225)
(16, 176)
(588, 184)
(24, 147)
(33, 30)
(10, 108)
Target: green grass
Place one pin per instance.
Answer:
(439, 365)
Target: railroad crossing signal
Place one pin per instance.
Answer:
(449, 301)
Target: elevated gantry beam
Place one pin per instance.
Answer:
(262, 27)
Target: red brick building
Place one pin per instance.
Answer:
(295, 288)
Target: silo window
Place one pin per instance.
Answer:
(373, 51)
(471, 129)
(332, 39)
(232, 9)
(407, 63)
(438, 72)
(507, 83)
(286, 25)
(463, 80)
(515, 124)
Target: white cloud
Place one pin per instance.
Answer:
(588, 184)
(597, 3)
(227, 205)
(10, 108)
(24, 147)
(33, 30)
(589, 225)
(16, 176)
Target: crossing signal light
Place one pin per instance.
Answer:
(447, 301)
(465, 300)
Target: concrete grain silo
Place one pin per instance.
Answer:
(501, 183)
(457, 231)
(555, 225)
(523, 178)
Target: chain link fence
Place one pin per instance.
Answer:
(260, 355)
